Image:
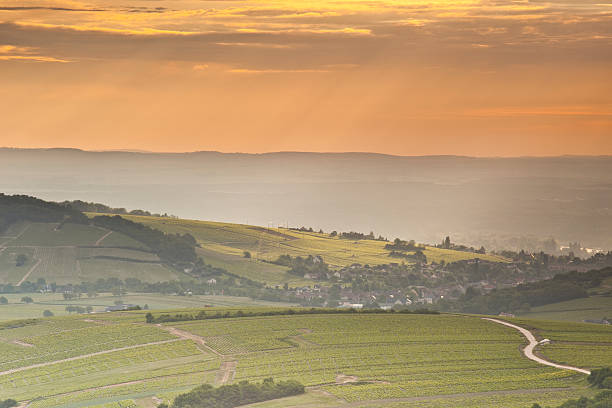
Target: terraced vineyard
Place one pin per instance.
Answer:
(395, 360)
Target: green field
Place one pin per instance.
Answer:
(223, 245)
(576, 310)
(115, 360)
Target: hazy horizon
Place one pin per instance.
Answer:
(141, 151)
(475, 200)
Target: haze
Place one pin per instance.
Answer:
(499, 203)
(473, 77)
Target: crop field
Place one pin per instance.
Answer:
(116, 360)
(223, 245)
(66, 359)
(576, 310)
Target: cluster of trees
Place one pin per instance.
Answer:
(399, 245)
(359, 236)
(313, 265)
(176, 249)
(14, 208)
(79, 309)
(202, 315)
(447, 244)
(8, 403)
(418, 256)
(24, 299)
(561, 287)
(84, 206)
(242, 393)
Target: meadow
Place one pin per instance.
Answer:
(115, 360)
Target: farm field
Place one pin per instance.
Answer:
(57, 304)
(576, 310)
(346, 360)
(223, 245)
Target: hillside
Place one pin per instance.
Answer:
(223, 245)
(346, 360)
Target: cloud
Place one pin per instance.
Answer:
(35, 58)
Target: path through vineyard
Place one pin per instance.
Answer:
(528, 350)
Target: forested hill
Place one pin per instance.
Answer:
(17, 208)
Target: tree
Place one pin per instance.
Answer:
(89, 309)
(21, 260)
(246, 254)
(3, 300)
(48, 313)
(27, 299)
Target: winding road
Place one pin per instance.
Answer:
(528, 350)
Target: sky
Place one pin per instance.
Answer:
(406, 77)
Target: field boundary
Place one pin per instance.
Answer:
(528, 350)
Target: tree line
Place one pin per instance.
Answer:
(203, 315)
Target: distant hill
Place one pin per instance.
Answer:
(503, 203)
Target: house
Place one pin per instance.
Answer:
(504, 314)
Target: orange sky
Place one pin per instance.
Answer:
(470, 77)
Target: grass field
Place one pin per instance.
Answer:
(223, 245)
(115, 360)
(577, 310)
